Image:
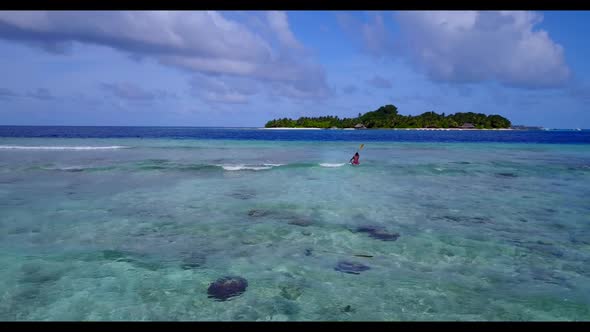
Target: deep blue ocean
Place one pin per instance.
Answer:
(144, 223)
(514, 136)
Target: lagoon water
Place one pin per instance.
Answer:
(106, 223)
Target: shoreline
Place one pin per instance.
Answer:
(440, 129)
(290, 128)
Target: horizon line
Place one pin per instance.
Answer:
(226, 127)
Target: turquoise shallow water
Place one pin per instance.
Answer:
(139, 229)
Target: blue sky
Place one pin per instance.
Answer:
(243, 68)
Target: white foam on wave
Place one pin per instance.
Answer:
(70, 168)
(244, 167)
(23, 147)
(65, 168)
(332, 165)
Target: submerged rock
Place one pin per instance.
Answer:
(243, 195)
(368, 229)
(348, 308)
(453, 218)
(73, 169)
(464, 219)
(36, 275)
(544, 275)
(113, 255)
(384, 235)
(546, 250)
(479, 220)
(193, 260)
(507, 175)
(227, 287)
(363, 255)
(258, 213)
(579, 239)
(250, 241)
(446, 252)
(351, 267)
(540, 248)
(378, 232)
(291, 292)
(304, 222)
(135, 259)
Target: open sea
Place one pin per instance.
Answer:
(137, 223)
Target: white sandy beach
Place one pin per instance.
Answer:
(288, 128)
(450, 129)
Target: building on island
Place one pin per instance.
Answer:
(467, 125)
(360, 126)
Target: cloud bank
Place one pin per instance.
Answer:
(202, 42)
(469, 46)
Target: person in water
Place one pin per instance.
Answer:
(355, 159)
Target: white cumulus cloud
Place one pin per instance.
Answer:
(473, 46)
(198, 41)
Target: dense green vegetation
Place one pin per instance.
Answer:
(388, 117)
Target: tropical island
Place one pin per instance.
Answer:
(388, 117)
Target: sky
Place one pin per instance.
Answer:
(243, 68)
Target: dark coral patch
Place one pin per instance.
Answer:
(351, 267)
(227, 287)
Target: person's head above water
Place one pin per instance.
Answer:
(355, 159)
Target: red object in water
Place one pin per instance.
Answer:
(355, 159)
